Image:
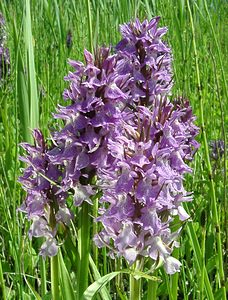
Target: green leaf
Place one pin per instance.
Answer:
(96, 275)
(33, 96)
(139, 274)
(65, 281)
(37, 296)
(47, 296)
(94, 288)
(21, 89)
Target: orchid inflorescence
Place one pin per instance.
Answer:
(122, 128)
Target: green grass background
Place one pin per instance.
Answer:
(197, 33)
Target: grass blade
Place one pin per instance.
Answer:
(21, 90)
(66, 286)
(2, 283)
(94, 288)
(96, 275)
(32, 85)
(198, 256)
(208, 163)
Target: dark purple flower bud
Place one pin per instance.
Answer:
(4, 51)
(217, 148)
(4, 63)
(69, 41)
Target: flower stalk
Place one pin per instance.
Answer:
(152, 289)
(54, 263)
(55, 278)
(83, 248)
(135, 283)
(135, 288)
(43, 277)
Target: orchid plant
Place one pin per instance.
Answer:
(122, 128)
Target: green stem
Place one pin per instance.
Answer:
(105, 265)
(203, 262)
(54, 278)
(174, 278)
(95, 229)
(152, 289)
(43, 277)
(208, 163)
(2, 283)
(83, 248)
(135, 284)
(54, 263)
(135, 288)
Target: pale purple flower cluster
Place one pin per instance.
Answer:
(96, 98)
(79, 147)
(45, 203)
(144, 183)
(121, 128)
(144, 55)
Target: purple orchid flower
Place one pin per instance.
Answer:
(45, 203)
(146, 190)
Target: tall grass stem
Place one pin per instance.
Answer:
(2, 283)
(32, 85)
(89, 19)
(208, 163)
(223, 111)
